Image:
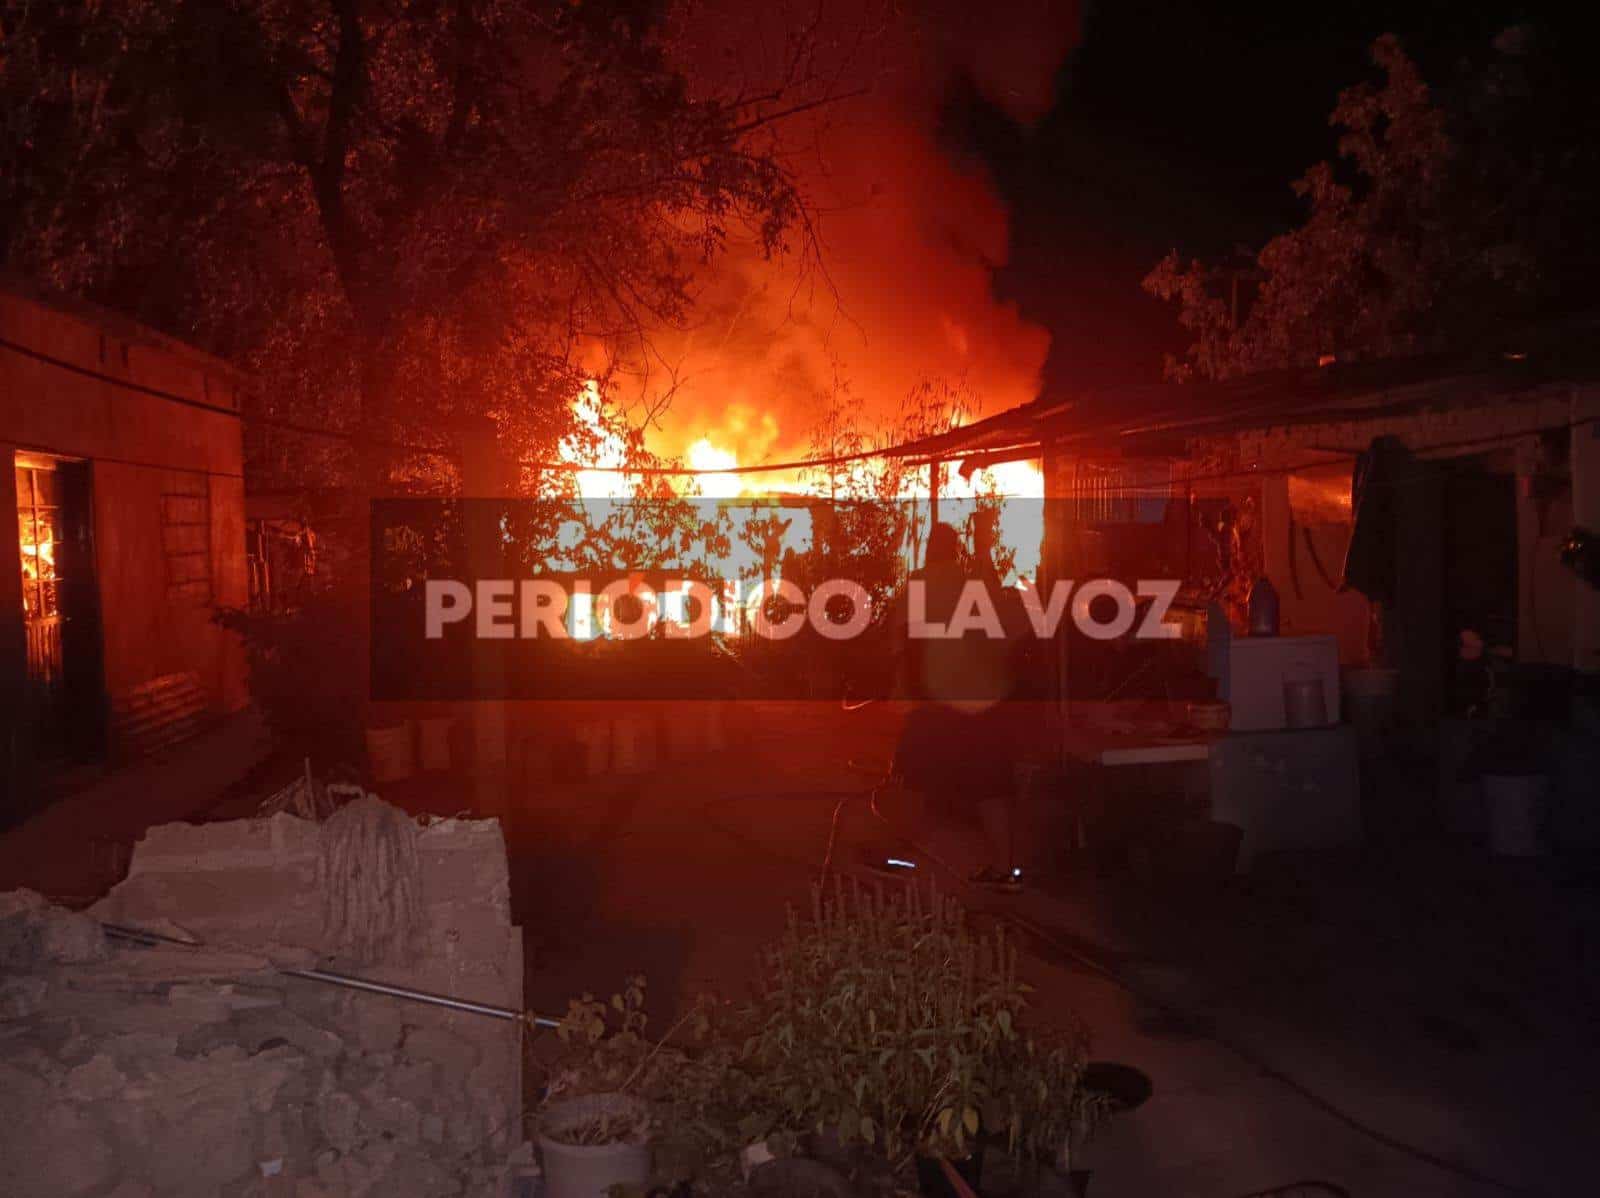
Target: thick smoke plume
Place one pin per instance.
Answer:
(911, 232)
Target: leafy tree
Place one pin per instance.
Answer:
(859, 531)
(401, 214)
(397, 211)
(1448, 214)
(871, 531)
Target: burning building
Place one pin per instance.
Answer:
(123, 456)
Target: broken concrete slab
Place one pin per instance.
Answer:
(204, 1070)
(21, 997)
(34, 933)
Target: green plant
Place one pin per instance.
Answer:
(886, 1018)
(890, 1019)
(611, 1054)
(627, 1127)
(695, 1098)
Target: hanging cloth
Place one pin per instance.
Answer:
(1372, 561)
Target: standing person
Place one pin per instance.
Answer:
(959, 744)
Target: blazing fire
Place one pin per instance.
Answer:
(1020, 480)
(601, 446)
(38, 566)
(707, 459)
(913, 234)
(38, 558)
(597, 444)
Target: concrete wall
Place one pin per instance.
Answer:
(1307, 603)
(199, 1072)
(52, 410)
(13, 645)
(141, 448)
(447, 1083)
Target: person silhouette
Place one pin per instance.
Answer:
(959, 632)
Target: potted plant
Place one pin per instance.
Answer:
(593, 1142)
(595, 1130)
(886, 1020)
(622, 1108)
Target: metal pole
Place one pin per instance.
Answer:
(149, 939)
(422, 996)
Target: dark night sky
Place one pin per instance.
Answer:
(1182, 125)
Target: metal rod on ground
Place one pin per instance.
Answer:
(140, 936)
(422, 996)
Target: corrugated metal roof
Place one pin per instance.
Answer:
(1020, 426)
(1139, 416)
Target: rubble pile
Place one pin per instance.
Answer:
(129, 1069)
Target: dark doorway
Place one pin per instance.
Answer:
(60, 608)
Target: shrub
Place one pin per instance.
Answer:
(696, 1090)
(886, 1018)
(889, 1018)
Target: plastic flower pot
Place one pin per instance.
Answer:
(590, 1170)
(1124, 1086)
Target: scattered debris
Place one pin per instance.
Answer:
(191, 1068)
(309, 798)
(33, 932)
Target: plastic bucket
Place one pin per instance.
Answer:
(1371, 683)
(590, 1170)
(1516, 807)
(1370, 695)
(390, 753)
(1305, 703)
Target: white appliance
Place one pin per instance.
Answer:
(1288, 790)
(1251, 670)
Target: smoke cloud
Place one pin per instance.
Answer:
(911, 232)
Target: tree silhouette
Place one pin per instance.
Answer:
(397, 213)
(1450, 213)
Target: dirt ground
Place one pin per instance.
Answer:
(1415, 1021)
(1402, 1022)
